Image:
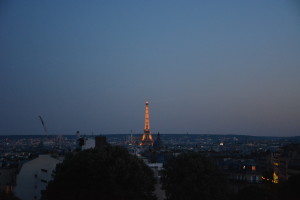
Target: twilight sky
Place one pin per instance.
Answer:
(207, 67)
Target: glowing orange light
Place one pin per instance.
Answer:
(275, 178)
(147, 137)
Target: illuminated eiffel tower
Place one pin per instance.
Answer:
(147, 139)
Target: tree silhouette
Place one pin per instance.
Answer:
(102, 173)
(5, 196)
(290, 188)
(257, 192)
(191, 176)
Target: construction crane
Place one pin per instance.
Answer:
(57, 141)
(44, 126)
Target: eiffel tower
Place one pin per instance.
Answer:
(147, 139)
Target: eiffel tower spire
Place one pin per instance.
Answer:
(147, 137)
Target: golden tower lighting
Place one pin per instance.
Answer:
(147, 139)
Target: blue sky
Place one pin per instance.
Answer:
(207, 67)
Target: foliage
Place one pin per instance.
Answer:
(191, 176)
(5, 196)
(255, 192)
(282, 191)
(102, 173)
(290, 189)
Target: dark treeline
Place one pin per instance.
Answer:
(192, 176)
(109, 172)
(112, 173)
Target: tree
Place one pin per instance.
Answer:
(257, 192)
(5, 196)
(191, 176)
(290, 188)
(102, 173)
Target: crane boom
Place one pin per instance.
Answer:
(44, 126)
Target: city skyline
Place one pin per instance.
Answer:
(206, 67)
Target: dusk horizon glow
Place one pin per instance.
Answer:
(206, 67)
